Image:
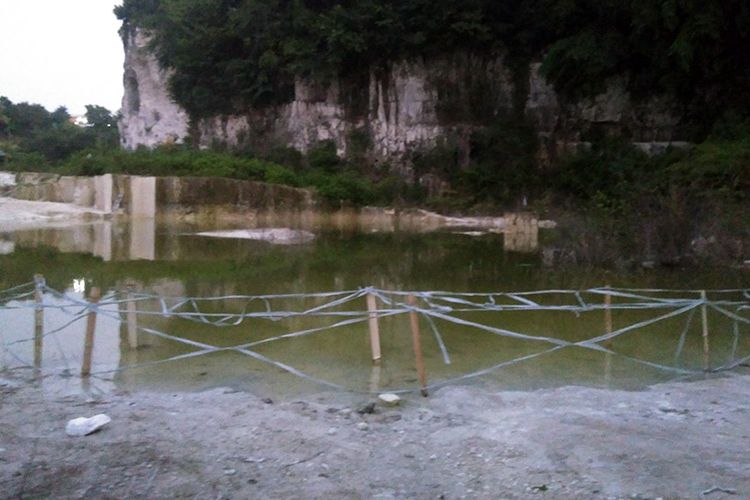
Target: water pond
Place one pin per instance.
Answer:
(171, 261)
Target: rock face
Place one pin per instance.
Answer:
(391, 113)
(149, 115)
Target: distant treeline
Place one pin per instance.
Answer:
(230, 54)
(31, 135)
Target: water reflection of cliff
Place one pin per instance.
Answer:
(107, 240)
(145, 239)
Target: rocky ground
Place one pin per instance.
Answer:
(676, 440)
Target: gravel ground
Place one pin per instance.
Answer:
(675, 440)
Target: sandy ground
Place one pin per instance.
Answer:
(676, 440)
(22, 214)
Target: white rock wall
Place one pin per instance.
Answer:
(402, 112)
(149, 115)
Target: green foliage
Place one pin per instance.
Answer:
(323, 157)
(717, 168)
(346, 186)
(38, 136)
(58, 143)
(340, 186)
(503, 167)
(103, 124)
(167, 161)
(615, 176)
(277, 174)
(610, 170)
(231, 54)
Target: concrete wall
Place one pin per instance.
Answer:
(149, 197)
(103, 191)
(143, 197)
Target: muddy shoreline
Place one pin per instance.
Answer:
(674, 440)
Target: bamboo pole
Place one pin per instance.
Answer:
(608, 312)
(704, 318)
(375, 376)
(38, 320)
(374, 328)
(88, 347)
(608, 326)
(417, 344)
(132, 318)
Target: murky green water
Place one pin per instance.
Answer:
(169, 260)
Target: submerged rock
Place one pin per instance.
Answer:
(83, 426)
(277, 236)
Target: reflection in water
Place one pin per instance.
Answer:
(167, 260)
(28, 340)
(102, 240)
(142, 239)
(137, 239)
(521, 233)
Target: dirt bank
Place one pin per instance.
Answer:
(674, 440)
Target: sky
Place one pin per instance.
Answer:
(61, 53)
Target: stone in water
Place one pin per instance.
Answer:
(83, 426)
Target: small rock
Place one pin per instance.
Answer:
(368, 409)
(332, 431)
(389, 399)
(363, 426)
(230, 472)
(83, 426)
(268, 401)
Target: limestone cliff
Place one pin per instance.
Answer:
(149, 115)
(410, 106)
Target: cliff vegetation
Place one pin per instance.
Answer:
(233, 54)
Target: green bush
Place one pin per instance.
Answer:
(344, 187)
(277, 174)
(323, 157)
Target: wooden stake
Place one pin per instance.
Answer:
(417, 343)
(608, 313)
(704, 318)
(375, 376)
(88, 347)
(608, 329)
(374, 328)
(132, 318)
(38, 320)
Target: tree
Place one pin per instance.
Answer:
(100, 117)
(60, 116)
(103, 125)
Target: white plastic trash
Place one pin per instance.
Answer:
(83, 426)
